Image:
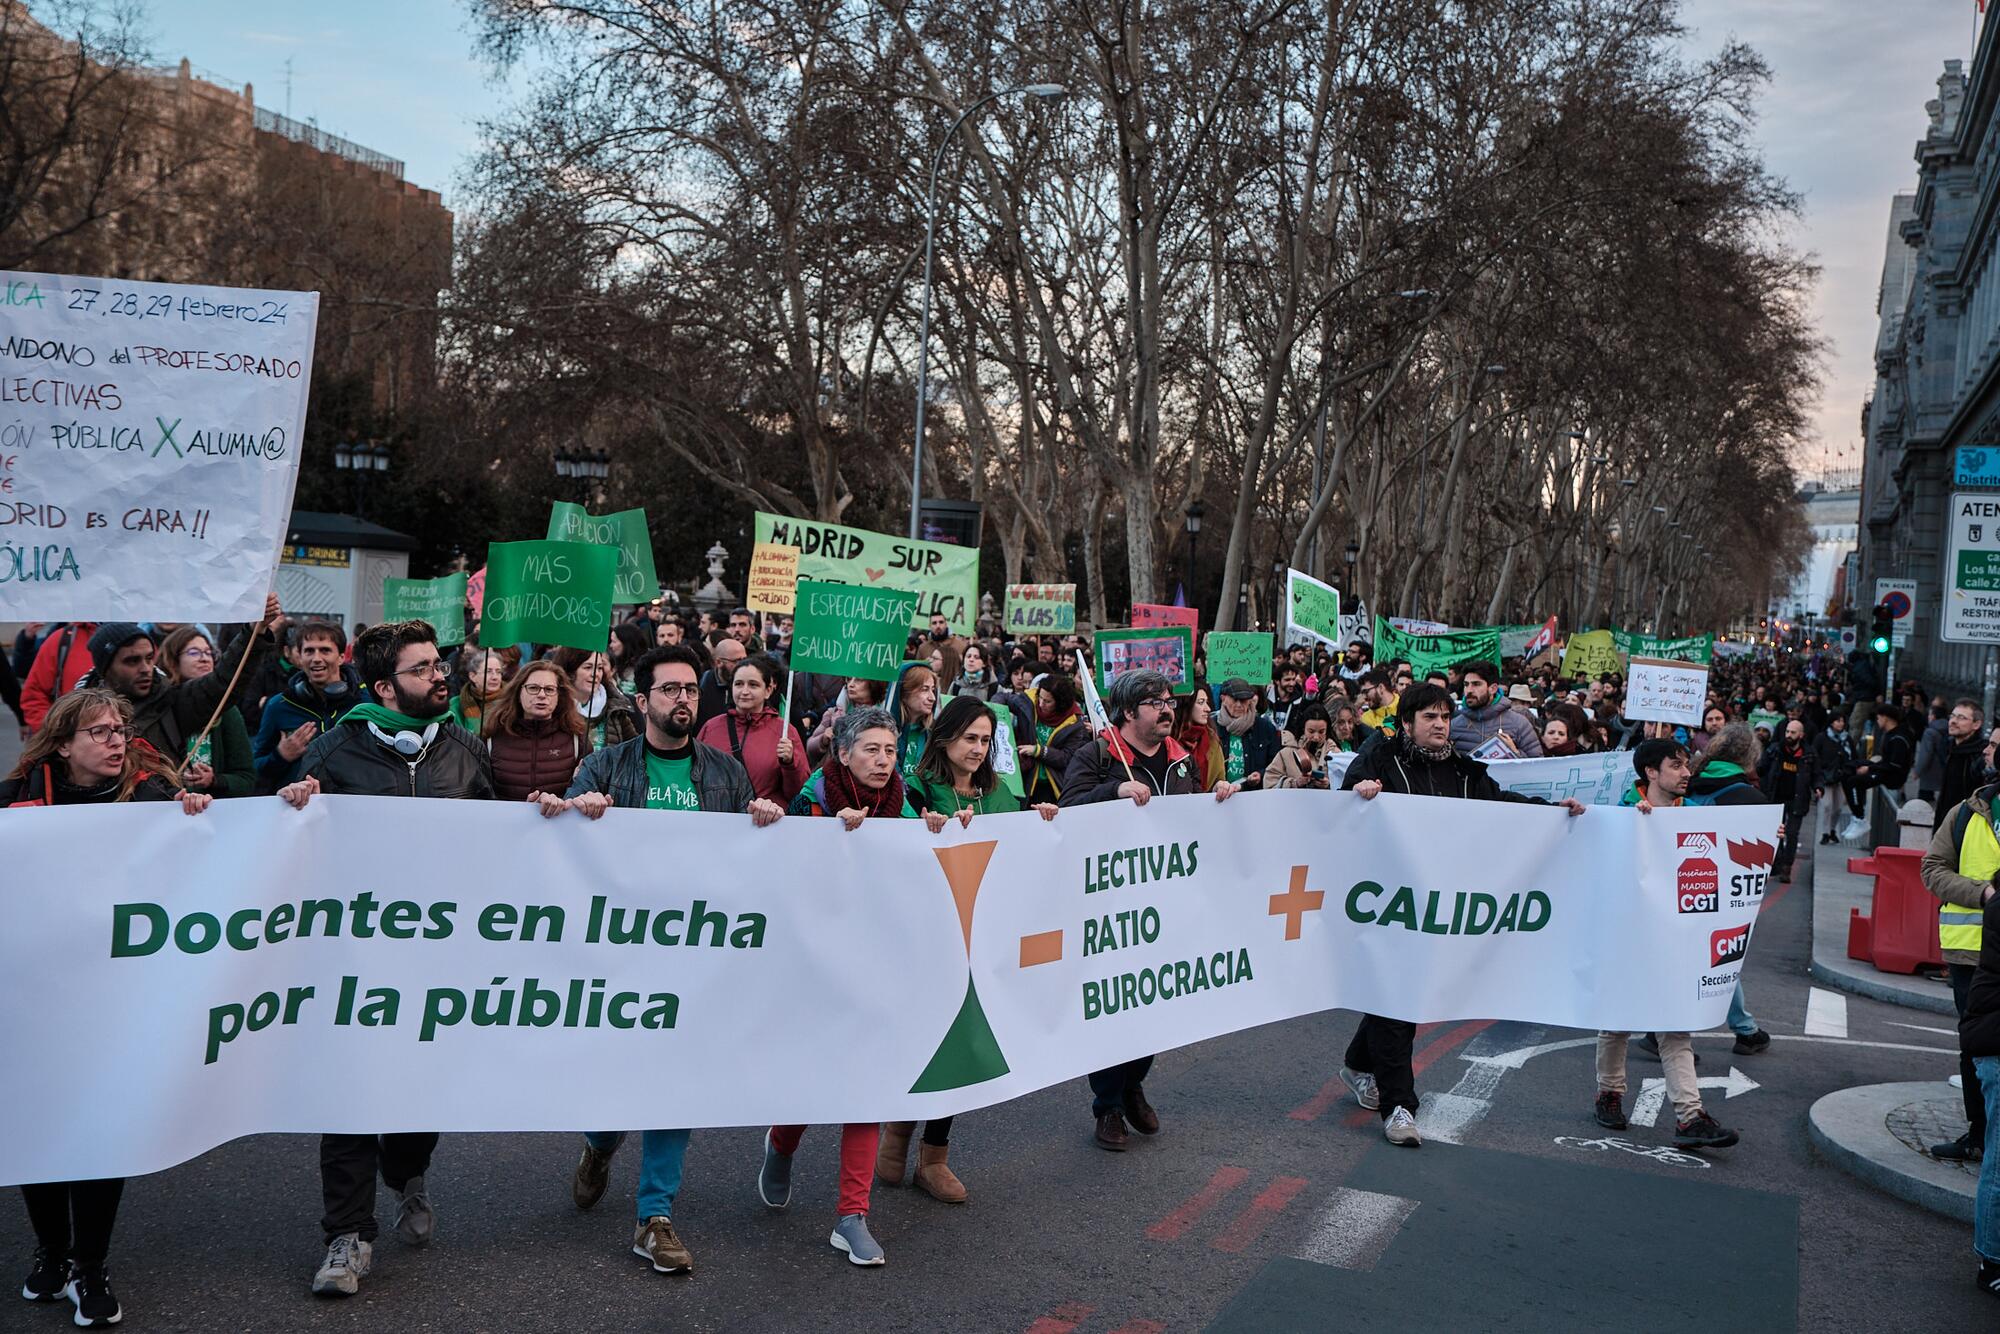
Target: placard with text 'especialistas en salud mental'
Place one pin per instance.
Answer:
(149, 445)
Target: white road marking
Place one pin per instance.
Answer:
(1653, 1094)
(1355, 1228)
(1925, 1028)
(1447, 1117)
(1826, 1014)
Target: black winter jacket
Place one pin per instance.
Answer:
(1979, 1030)
(1399, 768)
(348, 760)
(619, 772)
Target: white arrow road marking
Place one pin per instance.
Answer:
(1355, 1227)
(1448, 1116)
(1826, 1014)
(1653, 1093)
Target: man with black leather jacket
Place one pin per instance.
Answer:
(401, 742)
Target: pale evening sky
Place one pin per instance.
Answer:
(1838, 122)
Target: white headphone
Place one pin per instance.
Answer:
(410, 745)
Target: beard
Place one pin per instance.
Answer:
(676, 724)
(431, 702)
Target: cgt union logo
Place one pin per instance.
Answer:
(1698, 884)
(1752, 860)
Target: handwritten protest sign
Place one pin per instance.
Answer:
(944, 577)
(1590, 654)
(774, 578)
(1006, 758)
(1153, 615)
(1243, 653)
(149, 445)
(842, 630)
(1168, 650)
(1437, 652)
(1312, 611)
(626, 532)
(1660, 690)
(548, 593)
(441, 602)
(1048, 609)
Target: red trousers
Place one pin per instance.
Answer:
(859, 1142)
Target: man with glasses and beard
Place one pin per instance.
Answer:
(1136, 759)
(663, 769)
(400, 742)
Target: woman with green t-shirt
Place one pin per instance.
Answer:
(954, 779)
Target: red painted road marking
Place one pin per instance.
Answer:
(1176, 1224)
(1250, 1224)
(1331, 1092)
(1063, 1320)
(1425, 1058)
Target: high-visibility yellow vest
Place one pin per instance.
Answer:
(1978, 859)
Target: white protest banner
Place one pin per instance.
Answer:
(149, 445)
(1662, 690)
(517, 973)
(1597, 779)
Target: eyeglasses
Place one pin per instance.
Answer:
(541, 691)
(674, 690)
(1165, 704)
(197, 653)
(427, 670)
(103, 732)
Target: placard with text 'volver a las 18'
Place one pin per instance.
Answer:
(149, 445)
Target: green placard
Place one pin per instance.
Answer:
(625, 530)
(1765, 718)
(440, 602)
(1046, 609)
(945, 578)
(1168, 649)
(842, 630)
(548, 593)
(1244, 653)
(1689, 648)
(1006, 755)
(1430, 653)
(1312, 610)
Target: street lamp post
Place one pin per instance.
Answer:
(585, 467)
(360, 457)
(1048, 92)
(1194, 511)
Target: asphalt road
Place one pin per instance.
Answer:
(1267, 1203)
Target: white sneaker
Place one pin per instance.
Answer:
(347, 1261)
(1363, 1088)
(1401, 1129)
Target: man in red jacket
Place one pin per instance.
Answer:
(60, 663)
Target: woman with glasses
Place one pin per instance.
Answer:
(609, 715)
(485, 672)
(220, 763)
(85, 755)
(762, 742)
(534, 733)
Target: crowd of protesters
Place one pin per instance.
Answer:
(690, 714)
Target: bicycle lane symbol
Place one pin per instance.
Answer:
(1657, 1152)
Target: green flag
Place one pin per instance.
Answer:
(626, 531)
(1244, 653)
(1429, 653)
(842, 630)
(548, 593)
(439, 602)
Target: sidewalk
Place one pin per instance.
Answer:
(1877, 1132)
(1835, 891)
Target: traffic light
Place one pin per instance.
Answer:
(1884, 631)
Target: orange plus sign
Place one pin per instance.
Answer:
(1293, 904)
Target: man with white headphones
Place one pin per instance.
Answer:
(402, 742)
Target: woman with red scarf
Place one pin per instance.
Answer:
(762, 742)
(857, 781)
(1198, 739)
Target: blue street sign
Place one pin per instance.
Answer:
(1978, 465)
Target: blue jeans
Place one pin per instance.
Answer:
(1986, 1203)
(1741, 1022)
(661, 1153)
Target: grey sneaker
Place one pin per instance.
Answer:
(593, 1174)
(347, 1261)
(774, 1181)
(657, 1241)
(416, 1221)
(851, 1234)
(1401, 1129)
(1363, 1088)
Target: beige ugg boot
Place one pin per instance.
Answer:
(935, 1178)
(893, 1158)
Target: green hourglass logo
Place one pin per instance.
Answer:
(969, 1054)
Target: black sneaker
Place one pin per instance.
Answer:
(1611, 1110)
(1961, 1150)
(1989, 1277)
(1749, 1044)
(47, 1280)
(1700, 1131)
(90, 1292)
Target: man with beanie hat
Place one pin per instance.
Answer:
(165, 715)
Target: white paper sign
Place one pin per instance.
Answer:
(149, 445)
(1659, 690)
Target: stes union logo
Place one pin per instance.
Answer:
(1750, 863)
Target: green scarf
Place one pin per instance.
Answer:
(389, 720)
